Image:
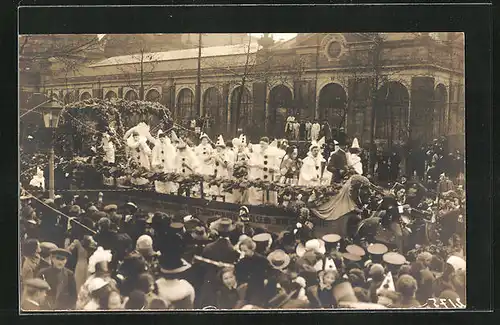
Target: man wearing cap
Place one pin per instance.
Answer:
(34, 294)
(310, 172)
(62, 294)
(338, 164)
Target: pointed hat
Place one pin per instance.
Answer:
(174, 137)
(355, 144)
(220, 142)
(387, 284)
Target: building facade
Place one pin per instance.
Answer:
(413, 83)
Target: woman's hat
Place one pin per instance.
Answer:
(377, 249)
(356, 250)
(313, 245)
(96, 284)
(458, 263)
(37, 283)
(278, 259)
(394, 258)
(351, 257)
(223, 225)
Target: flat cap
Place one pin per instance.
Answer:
(351, 257)
(356, 250)
(394, 258)
(60, 252)
(37, 283)
(377, 249)
(331, 238)
(47, 246)
(263, 237)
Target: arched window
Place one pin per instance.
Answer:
(69, 98)
(391, 113)
(242, 118)
(333, 105)
(130, 95)
(440, 104)
(212, 107)
(111, 94)
(185, 104)
(85, 95)
(280, 105)
(153, 95)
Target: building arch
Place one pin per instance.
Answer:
(440, 110)
(213, 108)
(85, 95)
(69, 97)
(110, 94)
(241, 119)
(280, 103)
(392, 113)
(185, 108)
(131, 95)
(153, 95)
(332, 104)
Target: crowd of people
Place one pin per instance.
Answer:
(80, 253)
(106, 257)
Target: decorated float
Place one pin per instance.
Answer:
(92, 147)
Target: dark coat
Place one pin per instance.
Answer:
(337, 165)
(62, 294)
(231, 298)
(253, 271)
(315, 301)
(221, 251)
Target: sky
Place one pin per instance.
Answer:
(276, 36)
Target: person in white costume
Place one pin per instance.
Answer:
(315, 128)
(108, 147)
(221, 165)
(265, 166)
(139, 150)
(186, 161)
(310, 172)
(204, 152)
(163, 160)
(38, 180)
(353, 159)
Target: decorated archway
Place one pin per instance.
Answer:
(185, 104)
(241, 119)
(131, 95)
(110, 95)
(332, 105)
(212, 108)
(391, 113)
(153, 96)
(280, 107)
(439, 116)
(68, 98)
(85, 95)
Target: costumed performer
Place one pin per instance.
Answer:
(204, 153)
(290, 167)
(221, 165)
(265, 167)
(108, 147)
(310, 172)
(185, 160)
(163, 160)
(38, 180)
(353, 159)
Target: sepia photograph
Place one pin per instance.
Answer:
(241, 171)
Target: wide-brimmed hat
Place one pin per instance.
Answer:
(351, 257)
(458, 263)
(111, 207)
(37, 283)
(171, 265)
(377, 249)
(394, 258)
(96, 284)
(356, 250)
(315, 245)
(331, 238)
(278, 259)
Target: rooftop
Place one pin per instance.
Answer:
(214, 51)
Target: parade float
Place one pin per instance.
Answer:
(94, 157)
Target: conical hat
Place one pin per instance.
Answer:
(204, 135)
(243, 139)
(387, 284)
(321, 142)
(355, 144)
(274, 143)
(174, 137)
(220, 142)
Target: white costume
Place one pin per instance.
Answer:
(315, 128)
(310, 172)
(353, 160)
(163, 160)
(139, 150)
(220, 160)
(109, 148)
(265, 166)
(204, 153)
(185, 161)
(38, 180)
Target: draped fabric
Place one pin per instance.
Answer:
(341, 204)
